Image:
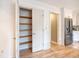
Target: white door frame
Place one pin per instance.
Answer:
(17, 30)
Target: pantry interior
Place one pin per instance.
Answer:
(25, 30)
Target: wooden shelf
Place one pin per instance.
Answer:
(29, 36)
(30, 42)
(29, 30)
(29, 10)
(25, 17)
(25, 23)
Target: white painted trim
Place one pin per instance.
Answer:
(58, 18)
(17, 29)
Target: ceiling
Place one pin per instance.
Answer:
(72, 4)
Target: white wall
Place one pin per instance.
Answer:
(6, 27)
(74, 14)
(70, 4)
(68, 13)
(75, 17)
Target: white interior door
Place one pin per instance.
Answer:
(37, 27)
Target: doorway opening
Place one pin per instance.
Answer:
(29, 33)
(54, 28)
(25, 32)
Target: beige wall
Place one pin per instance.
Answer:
(6, 27)
(53, 18)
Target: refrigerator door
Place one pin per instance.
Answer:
(68, 32)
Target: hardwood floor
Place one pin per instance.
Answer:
(55, 52)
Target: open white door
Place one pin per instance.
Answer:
(17, 30)
(37, 29)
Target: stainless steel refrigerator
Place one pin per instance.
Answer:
(68, 40)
